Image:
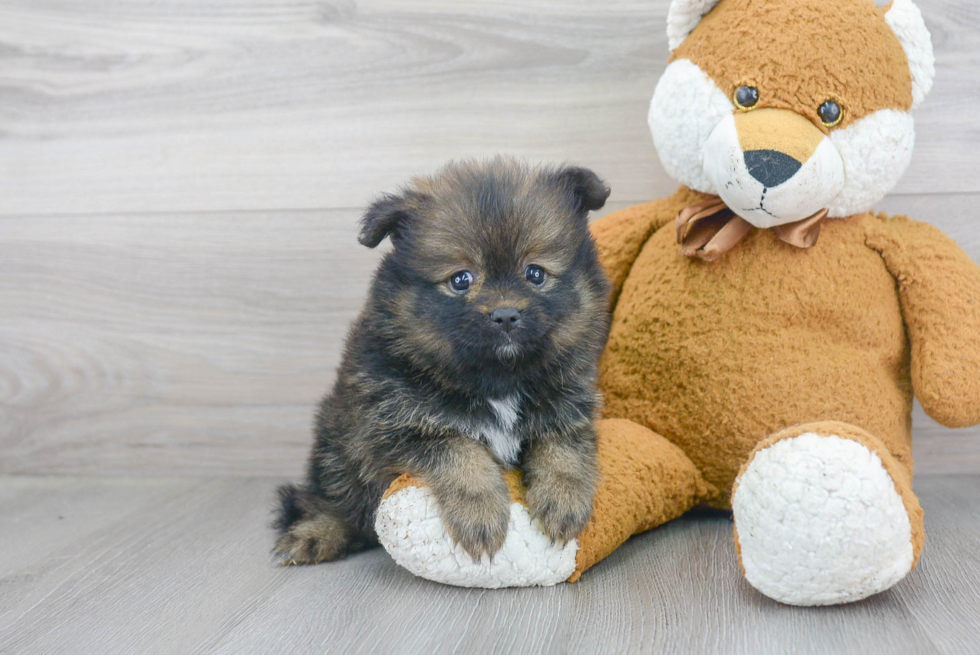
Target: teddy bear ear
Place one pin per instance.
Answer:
(683, 16)
(905, 19)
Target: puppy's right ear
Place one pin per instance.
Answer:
(385, 217)
(586, 191)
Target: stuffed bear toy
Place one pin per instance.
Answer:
(769, 330)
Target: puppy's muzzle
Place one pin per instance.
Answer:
(505, 318)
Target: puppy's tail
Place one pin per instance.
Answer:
(290, 510)
(310, 532)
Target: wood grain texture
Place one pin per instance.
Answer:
(195, 343)
(199, 344)
(194, 105)
(166, 566)
(151, 324)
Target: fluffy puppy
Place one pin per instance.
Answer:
(477, 348)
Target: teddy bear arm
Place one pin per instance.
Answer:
(621, 235)
(939, 291)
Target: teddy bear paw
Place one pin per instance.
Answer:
(409, 526)
(819, 521)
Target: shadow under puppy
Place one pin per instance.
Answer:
(477, 348)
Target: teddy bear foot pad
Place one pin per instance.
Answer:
(819, 521)
(411, 530)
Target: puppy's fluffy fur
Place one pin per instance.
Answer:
(448, 384)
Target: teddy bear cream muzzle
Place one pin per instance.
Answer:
(772, 166)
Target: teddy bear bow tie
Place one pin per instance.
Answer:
(709, 229)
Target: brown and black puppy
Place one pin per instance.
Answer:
(477, 347)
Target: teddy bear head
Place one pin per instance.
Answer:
(788, 107)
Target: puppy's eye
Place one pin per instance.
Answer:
(460, 281)
(830, 114)
(746, 97)
(535, 275)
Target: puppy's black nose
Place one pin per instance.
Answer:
(506, 318)
(771, 167)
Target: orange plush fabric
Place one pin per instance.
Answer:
(759, 44)
(644, 481)
(939, 287)
(717, 356)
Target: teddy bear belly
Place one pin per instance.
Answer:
(717, 356)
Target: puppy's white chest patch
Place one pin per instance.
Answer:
(499, 436)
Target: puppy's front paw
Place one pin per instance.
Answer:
(477, 522)
(561, 504)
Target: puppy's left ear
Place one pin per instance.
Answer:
(583, 187)
(386, 217)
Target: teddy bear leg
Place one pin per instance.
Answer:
(644, 481)
(824, 514)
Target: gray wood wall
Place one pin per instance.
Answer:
(179, 183)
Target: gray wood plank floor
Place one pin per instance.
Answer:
(181, 566)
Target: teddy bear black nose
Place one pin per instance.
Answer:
(771, 167)
(506, 318)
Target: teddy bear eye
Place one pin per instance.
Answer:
(830, 113)
(460, 281)
(746, 97)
